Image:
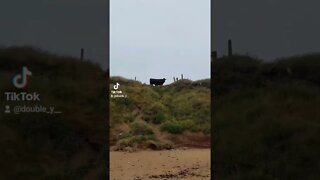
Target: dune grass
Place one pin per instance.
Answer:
(70, 145)
(174, 108)
(266, 118)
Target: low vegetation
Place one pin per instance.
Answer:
(157, 113)
(266, 121)
(71, 145)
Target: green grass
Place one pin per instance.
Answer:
(159, 118)
(174, 108)
(173, 127)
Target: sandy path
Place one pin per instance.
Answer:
(190, 164)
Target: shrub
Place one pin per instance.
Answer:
(157, 107)
(173, 127)
(140, 139)
(125, 135)
(187, 124)
(128, 103)
(140, 129)
(159, 118)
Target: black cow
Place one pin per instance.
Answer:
(157, 81)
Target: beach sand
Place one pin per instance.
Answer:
(186, 164)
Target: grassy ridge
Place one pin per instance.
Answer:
(70, 145)
(183, 106)
(266, 118)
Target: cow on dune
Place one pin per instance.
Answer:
(157, 82)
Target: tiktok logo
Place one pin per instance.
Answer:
(21, 80)
(116, 86)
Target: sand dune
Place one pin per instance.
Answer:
(189, 164)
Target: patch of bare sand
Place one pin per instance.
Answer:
(189, 164)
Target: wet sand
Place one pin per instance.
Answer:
(189, 164)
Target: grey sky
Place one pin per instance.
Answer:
(160, 39)
(268, 29)
(59, 26)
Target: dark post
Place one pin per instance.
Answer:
(214, 55)
(229, 47)
(82, 54)
(181, 76)
(135, 78)
(174, 79)
(213, 58)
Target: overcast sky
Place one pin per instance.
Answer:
(267, 28)
(160, 39)
(59, 26)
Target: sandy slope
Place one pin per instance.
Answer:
(191, 164)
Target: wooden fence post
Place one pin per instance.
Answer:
(82, 54)
(229, 47)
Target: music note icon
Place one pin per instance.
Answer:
(116, 86)
(21, 80)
